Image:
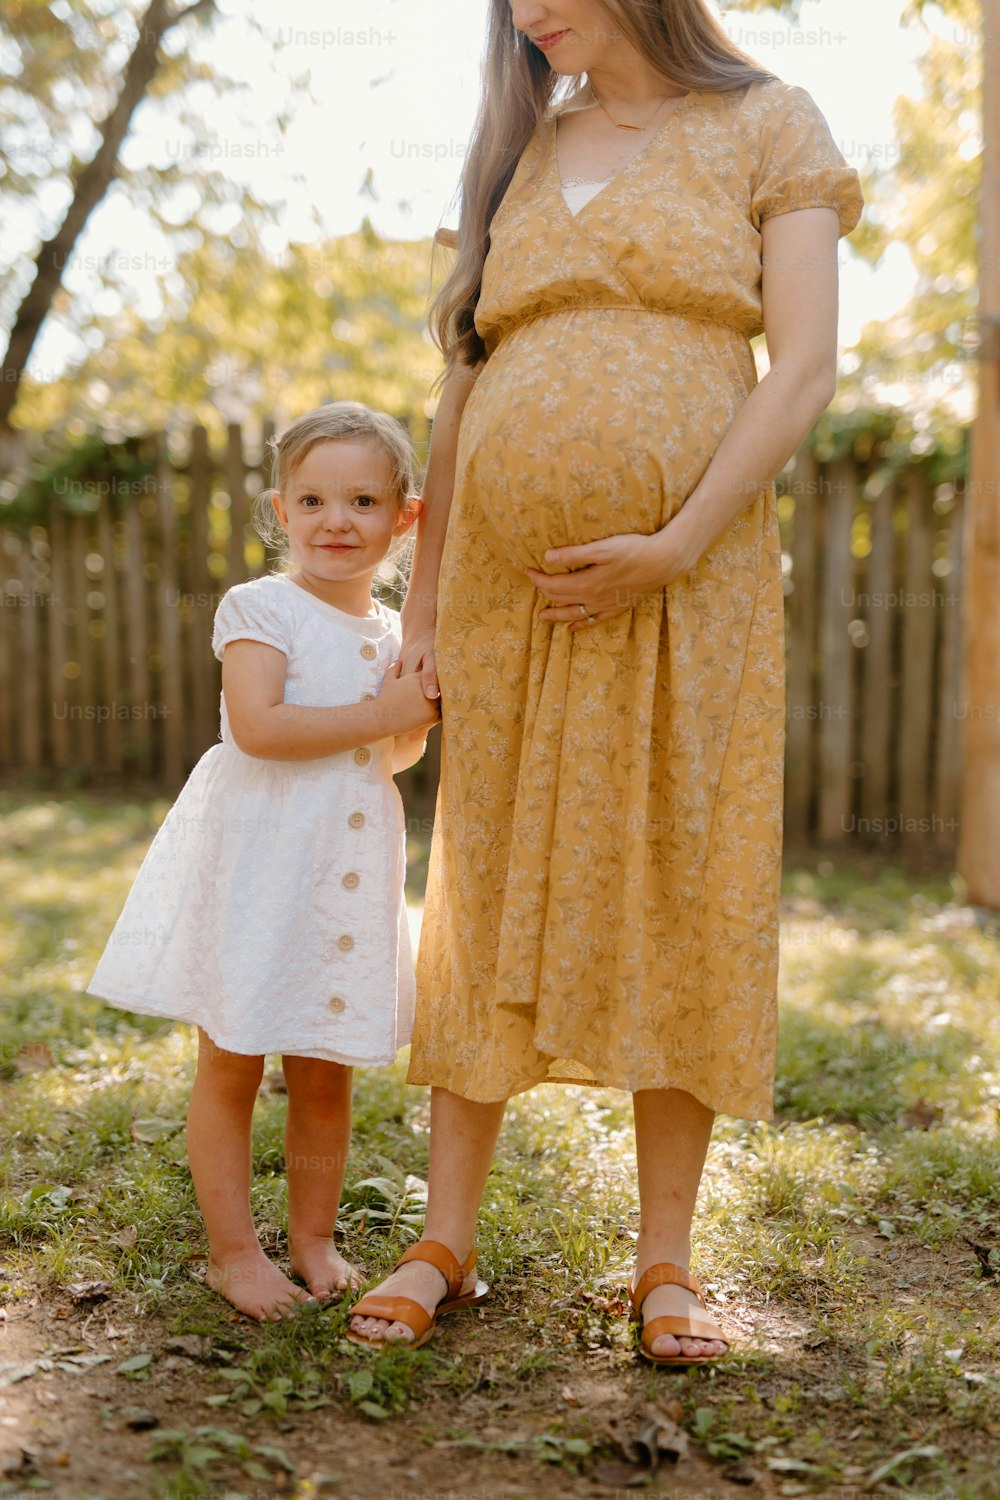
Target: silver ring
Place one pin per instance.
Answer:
(591, 619)
(583, 610)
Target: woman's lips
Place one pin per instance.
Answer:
(544, 43)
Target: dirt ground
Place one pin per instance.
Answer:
(68, 1414)
(70, 1426)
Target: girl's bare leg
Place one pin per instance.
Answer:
(218, 1140)
(672, 1132)
(463, 1138)
(317, 1140)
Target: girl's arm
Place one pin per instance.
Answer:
(263, 725)
(419, 609)
(408, 749)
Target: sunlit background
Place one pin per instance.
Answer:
(380, 101)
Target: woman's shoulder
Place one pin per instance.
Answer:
(767, 101)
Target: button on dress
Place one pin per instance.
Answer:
(270, 907)
(602, 902)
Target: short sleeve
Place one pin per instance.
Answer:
(799, 163)
(251, 612)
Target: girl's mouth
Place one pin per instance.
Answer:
(544, 43)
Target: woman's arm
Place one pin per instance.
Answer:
(799, 292)
(800, 321)
(264, 726)
(419, 609)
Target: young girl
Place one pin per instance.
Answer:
(269, 909)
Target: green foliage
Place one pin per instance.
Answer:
(73, 478)
(927, 199)
(340, 319)
(62, 77)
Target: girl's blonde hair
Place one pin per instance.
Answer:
(340, 420)
(682, 40)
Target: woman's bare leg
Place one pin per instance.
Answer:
(672, 1132)
(218, 1141)
(463, 1139)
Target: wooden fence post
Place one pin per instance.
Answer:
(801, 637)
(836, 705)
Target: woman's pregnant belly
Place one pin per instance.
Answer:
(591, 423)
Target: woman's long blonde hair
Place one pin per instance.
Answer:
(681, 39)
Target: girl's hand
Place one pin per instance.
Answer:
(609, 576)
(417, 652)
(403, 705)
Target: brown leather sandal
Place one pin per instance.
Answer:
(665, 1273)
(406, 1310)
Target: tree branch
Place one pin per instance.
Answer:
(90, 184)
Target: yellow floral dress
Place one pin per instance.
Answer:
(602, 901)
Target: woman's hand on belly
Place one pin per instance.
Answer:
(610, 576)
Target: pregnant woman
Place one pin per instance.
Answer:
(597, 590)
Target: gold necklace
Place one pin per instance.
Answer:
(620, 123)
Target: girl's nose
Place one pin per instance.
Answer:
(336, 520)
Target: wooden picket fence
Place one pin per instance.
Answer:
(107, 675)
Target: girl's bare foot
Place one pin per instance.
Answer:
(322, 1267)
(254, 1286)
(424, 1283)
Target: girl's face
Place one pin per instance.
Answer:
(575, 35)
(340, 510)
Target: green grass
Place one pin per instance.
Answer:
(838, 1237)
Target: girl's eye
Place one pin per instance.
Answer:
(368, 500)
(311, 500)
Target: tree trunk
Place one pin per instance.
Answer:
(89, 187)
(979, 838)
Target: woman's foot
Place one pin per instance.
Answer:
(676, 1302)
(424, 1284)
(254, 1286)
(316, 1259)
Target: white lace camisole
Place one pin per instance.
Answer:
(578, 191)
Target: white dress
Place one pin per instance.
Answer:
(270, 907)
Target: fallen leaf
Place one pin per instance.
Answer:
(135, 1363)
(920, 1116)
(90, 1291)
(672, 1407)
(621, 1476)
(141, 1421)
(742, 1473)
(644, 1436)
(34, 1057)
(194, 1345)
(127, 1237)
(76, 1364)
(891, 1464)
(983, 1254)
(154, 1130)
(569, 1396)
(16, 1463)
